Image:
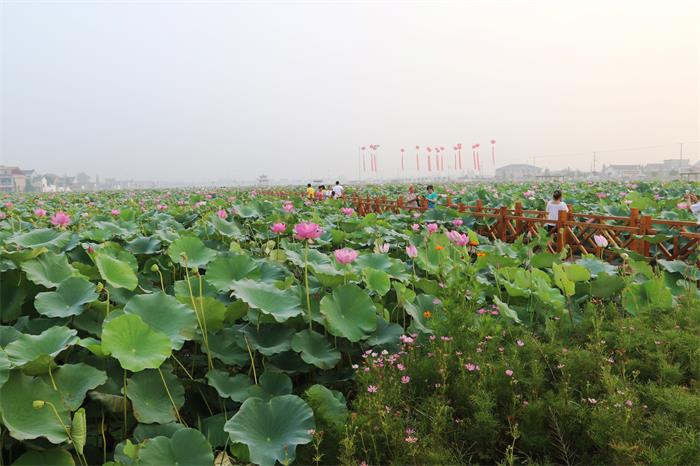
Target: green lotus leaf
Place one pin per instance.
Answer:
(147, 431)
(577, 273)
(213, 310)
(199, 288)
(417, 309)
(280, 304)
(144, 245)
(5, 367)
(270, 385)
(116, 272)
(236, 388)
(272, 429)
(187, 447)
(68, 300)
(387, 334)
(35, 353)
(268, 339)
(12, 296)
(596, 266)
(329, 406)
(113, 403)
(49, 238)
(213, 429)
(49, 269)
(377, 281)
(149, 397)
(606, 286)
(165, 314)
(506, 311)
(8, 335)
(543, 260)
(74, 381)
(24, 421)
(52, 457)
(315, 349)
(134, 344)
(647, 296)
(316, 260)
(563, 281)
(189, 251)
(225, 228)
(349, 313)
(224, 346)
(224, 271)
(394, 267)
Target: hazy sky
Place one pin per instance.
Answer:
(197, 91)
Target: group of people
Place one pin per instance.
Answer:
(413, 199)
(323, 193)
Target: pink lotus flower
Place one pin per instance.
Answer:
(415, 227)
(509, 373)
(458, 222)
(288, 207)
(682, 205)
(221, 213)
(60, 219)
(384, 248)
(345, 255)
(529, 194)
(40, 212)
(459, 239)
(431, 227)
(2, 215)
(278, 228)
(115, 212)
(307, 230)
(161, 207)
(180, 202)
(602, 195)
(405, 379)
(347, 211)
(600, 241)
(411, 251)
(372, 389)
(9, 205)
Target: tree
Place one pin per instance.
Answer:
(82, 178)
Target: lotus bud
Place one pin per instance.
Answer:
(38, 404)
(625, 256)
(155, 268)
(100, 287)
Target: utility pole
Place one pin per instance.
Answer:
(594, 161)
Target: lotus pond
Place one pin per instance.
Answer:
(223, 327)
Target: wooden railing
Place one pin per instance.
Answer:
(573, 230)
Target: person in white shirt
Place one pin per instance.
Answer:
(338, 190)
(553, 208)
(694, 207)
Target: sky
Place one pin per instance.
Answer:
(196, 91)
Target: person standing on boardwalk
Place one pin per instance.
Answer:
(310, 191)
(432, 196)
(694, 208)
(553, 208)
(411, 198)
(338, 190)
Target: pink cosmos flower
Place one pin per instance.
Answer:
(458, 222)
(405, 379)
(410, 439)
(372, 389)
(307, 230)
(40, 212)
(400, 366)
(345, 255)
(629, 403)
(600, 241)
(348, 211)
(411, 251)
(431, 227)
(221, 213)
(520, 343)
(509, 373)
(161, 207)
(115, 212)
(60, 219)
(482, 311)
(470, 367)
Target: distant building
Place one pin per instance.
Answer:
(12, 179)
(263, 180)
(623, 171)
(692, 173)
(518, 171)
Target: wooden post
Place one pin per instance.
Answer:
(518, 213)
(399, 204)
(462, 207)
(449, 201)
(423, 204)
(561, 230)
(479, 205)
(634, 222)
(502, 223)
(645, 226)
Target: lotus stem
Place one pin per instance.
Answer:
(202, 327)
(306, 281)
(124, 404)
(170, 397)
(252, 360)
